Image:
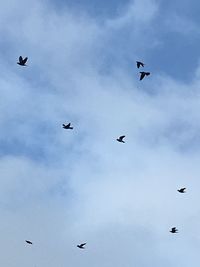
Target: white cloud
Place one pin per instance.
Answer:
(60, 187)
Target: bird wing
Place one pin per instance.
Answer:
(173, 228)
(142, 75)
(24, 61)
(138, 64)
(20, 59)
(68, 125)
(121, 137)
(81, 245)
(182, 190)
(147, 73)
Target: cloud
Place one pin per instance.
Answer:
(137, 13)
(182, 25)
(58, 187)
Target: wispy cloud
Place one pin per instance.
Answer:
(59, 188)
(182, 25)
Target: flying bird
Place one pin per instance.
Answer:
(174, 230)
(143, 74)
(181, 190)
(29, 242)
(120, 139)
(67, 126)
(22, 62)
(139, 64)
(81, 246)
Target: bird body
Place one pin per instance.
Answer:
(120, 139)
(139, 64)
(81, 246)
(22, 62)
(143, 74)
(29, 242)
(67, 126)
(174, 230)
(181, 190)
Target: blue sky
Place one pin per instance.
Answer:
(175, 46)
(59, 188)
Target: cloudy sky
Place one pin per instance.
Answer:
(59, 187)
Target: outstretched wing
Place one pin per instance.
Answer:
(121, 137)
(68, 125)
(24, 61)
(142, 75)
(20, 59)
(82, 245)
(29, 242)
(139, 64)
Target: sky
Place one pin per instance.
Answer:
(60, 188)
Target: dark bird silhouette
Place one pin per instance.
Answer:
(22, 62)
(143, 74)
(182, 190)
(174, 230)
(29, 242)
(139, 64)
(120, 139)
(67, 126)
(81, 246)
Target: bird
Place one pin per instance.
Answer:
(120, 139)
(181, 190)
(139, 64)
(174, 230)
(29, 242)
(67, 126)
(81, 246)
(143, 74)
(22, 62)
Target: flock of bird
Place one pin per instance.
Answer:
(173, 230)
(22, 62)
